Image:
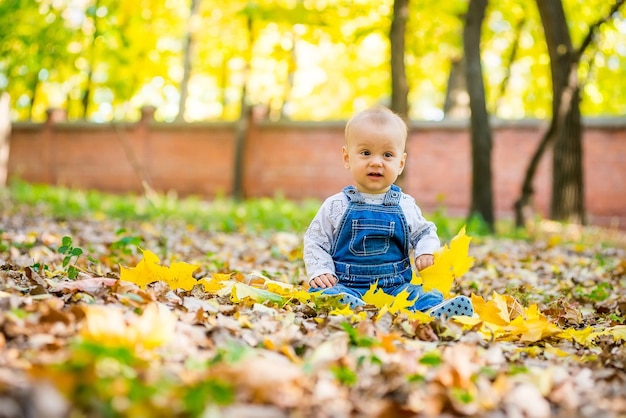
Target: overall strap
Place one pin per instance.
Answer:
(353, 194)
(392, 197)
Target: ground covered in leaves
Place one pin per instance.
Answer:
(247, 340)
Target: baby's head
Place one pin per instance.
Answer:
(374, 149)
(378, 118)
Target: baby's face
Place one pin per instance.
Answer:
(374, 154)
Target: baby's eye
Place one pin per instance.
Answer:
(388, 155)
(365, 152)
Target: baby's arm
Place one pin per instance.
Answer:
(423, 234)
(318, 239)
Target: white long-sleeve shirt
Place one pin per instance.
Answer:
(320, 235)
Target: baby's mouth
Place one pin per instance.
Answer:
(375, 174)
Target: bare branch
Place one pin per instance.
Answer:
(594, 27)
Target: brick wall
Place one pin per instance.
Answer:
(301, 160)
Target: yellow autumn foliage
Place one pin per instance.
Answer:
(177, 276)
(113, 326)
(450, 263)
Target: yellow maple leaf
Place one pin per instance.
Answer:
(583, 336)
(110, 326)
(555, 351)
(419, 316)
(394, 304)
(345, 311)
(534, 327)
(177, 276)
(107, 326)
(289, 291)
(155, 327)
(618, 332)
(401, 302)
(504, 318)
(459, 249)
(494, 311)
(381, 312)
(220, 277)
(375, 296)
(450, 263)
(216, 282)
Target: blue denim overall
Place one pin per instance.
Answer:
(372, 244)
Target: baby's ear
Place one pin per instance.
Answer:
(402, 162)
(346, 157)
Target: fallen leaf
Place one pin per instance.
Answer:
(177, 276)
(111, 326)
(450, 263)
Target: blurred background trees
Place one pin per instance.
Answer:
(101, 60)
(202, 60)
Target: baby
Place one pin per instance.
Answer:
(365, 233)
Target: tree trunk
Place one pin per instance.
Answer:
(291, 74)
(5, 131)
(512, 56)
(34, 87)
(243, 124)
(482, 194)
(184, 85)
(399, 83)
(86, 99)
(456, 104)
(565, 126)
(567, 202)
(567, 174)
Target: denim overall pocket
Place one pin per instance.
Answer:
(370, 237)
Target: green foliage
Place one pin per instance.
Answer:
(477, 226)
(220, 214)
(356, 339)
(597, 293)
(416, 378)
(344, 375)
(4, 246)
(432, 358)
(207, 391)
(126, 246)
(515, 369)
(617, 318)
(521, 293)
(230, 353)
(307, 60)
(70, 252)
(39, 268)
(462, 395)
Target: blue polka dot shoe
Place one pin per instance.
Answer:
(457, 306)
(353, 301)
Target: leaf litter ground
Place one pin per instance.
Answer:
(243, 338)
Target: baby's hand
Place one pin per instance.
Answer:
(323, 280)
(423, 261)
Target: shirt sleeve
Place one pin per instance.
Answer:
(422, 233)
(320, 235)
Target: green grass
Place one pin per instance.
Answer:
(251, 215)
(219, 214)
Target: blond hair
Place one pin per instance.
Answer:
(378, 115)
